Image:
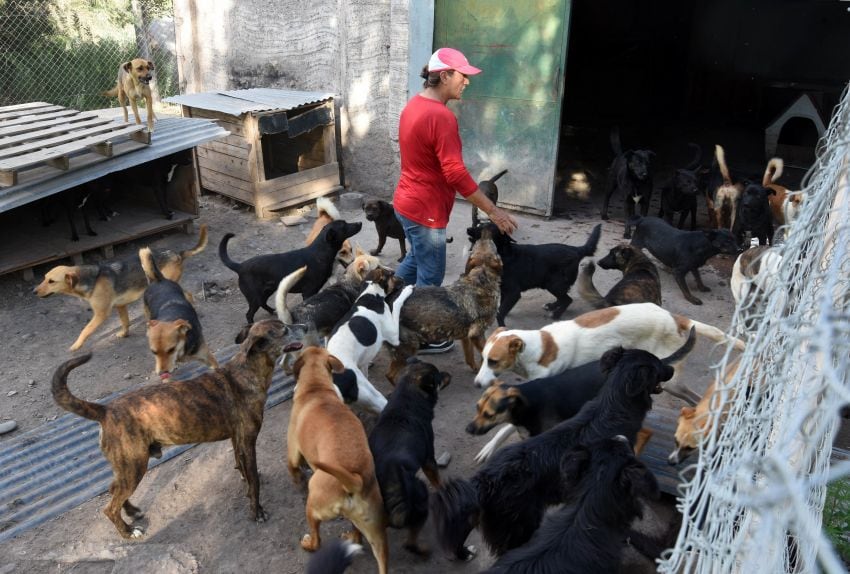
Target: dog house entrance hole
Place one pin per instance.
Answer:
(799, 131)
(283, 155)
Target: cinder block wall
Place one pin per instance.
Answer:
(357, 49)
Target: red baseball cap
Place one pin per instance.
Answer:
(451, 59)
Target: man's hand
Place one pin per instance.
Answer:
(503, 220)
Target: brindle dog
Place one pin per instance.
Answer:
(216, 405)
(463, 310)
(640, 282)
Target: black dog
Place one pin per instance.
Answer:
(154, 175)
(402, 442)
(588, 535)
(631, 175)
(640, 282)
(79, 199)
(333, 557)
(386, 223)
(551, 266)
(680, 194)
(259, 276)
(491, 190)
(683, 251)
(754, 215)
(509, 495)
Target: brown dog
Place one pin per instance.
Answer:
(640, 282)
(221, 404)
(113, 284)
(134, 78)
(723, 202)
(463, 310)
(325, 434)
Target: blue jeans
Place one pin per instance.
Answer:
(425, 262)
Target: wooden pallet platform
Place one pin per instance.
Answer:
(40, 134)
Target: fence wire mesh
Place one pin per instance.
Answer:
(68, 52)
(756, 498)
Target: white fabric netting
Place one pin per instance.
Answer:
(755, 500)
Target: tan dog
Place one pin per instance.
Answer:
(695, 423)
(723, 202)
(772, 172)
(217, 405)
(113, 284)
(134, 79)
(325, 434)
(327, 213)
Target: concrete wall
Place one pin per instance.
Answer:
(357, 49)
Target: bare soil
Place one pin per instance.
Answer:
(196, 509)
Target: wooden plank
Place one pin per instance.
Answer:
(303, 195)
(219, 183)
(207, 172)
(8, 178)
(42, 117)
(68, 137)
(234, 151)
(235, 140)
(30, 111)
(142, 136)
(293, 179)
(233, 124)
(22, 106)
(226, 164)
(51, 130)
(36, 157)
(26, 128)
(59, 163)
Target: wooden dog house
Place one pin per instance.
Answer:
(281, 150)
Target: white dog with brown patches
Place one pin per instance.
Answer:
(565, 344)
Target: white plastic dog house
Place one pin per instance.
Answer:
(790, 134)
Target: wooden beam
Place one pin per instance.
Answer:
(8, 178)
(61, 162)
(141, 136)
(104, 149)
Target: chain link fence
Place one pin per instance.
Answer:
(67, 52)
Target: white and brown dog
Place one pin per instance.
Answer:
(564, 344)
(723, 201)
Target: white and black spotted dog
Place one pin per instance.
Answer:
(360, 334)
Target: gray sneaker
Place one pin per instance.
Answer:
(436, 348)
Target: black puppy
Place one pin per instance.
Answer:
(640, 282)
(79, 199)
(631, 175)
(754, 215)
(681, 192)
(260, 276)
(588, 534)
(402, 442)
(683, 251)
(551, 266)
(491, 190)
(386, 223)
(154, 175)
(509, 495)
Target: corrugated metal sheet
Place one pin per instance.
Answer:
(238, 102)
(171, 135)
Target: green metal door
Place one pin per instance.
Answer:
(510, 114)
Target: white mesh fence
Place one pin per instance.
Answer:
(755, 501)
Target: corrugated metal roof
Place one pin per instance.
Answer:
(238, 102)
(171, 134)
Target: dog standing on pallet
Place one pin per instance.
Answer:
(113, 284)
(134, 78)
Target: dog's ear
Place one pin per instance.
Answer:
(610, 359)
(638, 481)
(687, 412)
(72, 278)
(296, 368)
(253, 343)
(445, 379)
(574, 466)
(183, 325)
(514, 396)
(335, 365)
(127, 66)
(330, 234)
(150, 65)
(516, 345)
(243, 333)
(358, 251)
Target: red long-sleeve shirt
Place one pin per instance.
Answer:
(432, 166)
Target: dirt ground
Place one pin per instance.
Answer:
(196, 511)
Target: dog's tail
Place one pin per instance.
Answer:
(113, 93)
(497, 176)
(152, 272)
(326, 206)
(333, 557)
(406, 499)
(202, 243)
(456, 512)
(66, 400)
(614, 138)
(589, 247)
(351, 482)
(720, 156)
(710, 331)
(225, 258)
(587, 290)
(697, 156)
(283, 288)
(773, 171)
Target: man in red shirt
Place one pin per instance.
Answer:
(432, 170)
